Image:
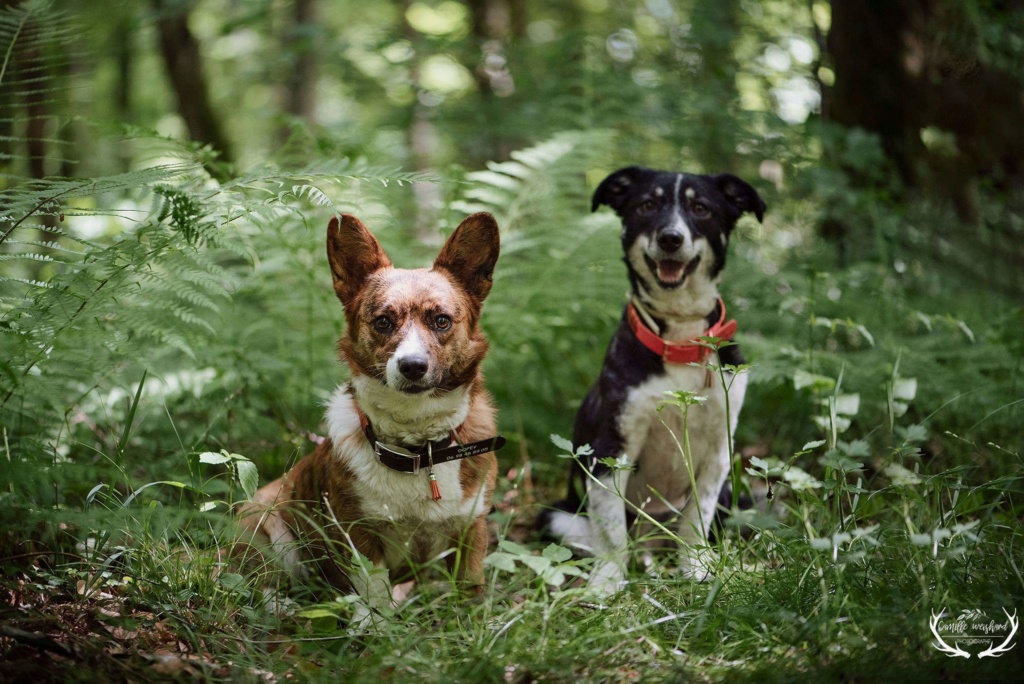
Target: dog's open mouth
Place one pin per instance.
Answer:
(671, 273)
(415, 389)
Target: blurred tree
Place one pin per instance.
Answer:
(184, 64)
(6, 133)
(715, 27)
(300, 46)
(931, 78)
(123, 33)
(32, 69)
(871, 88)
(494, 25)
(34, 83)
(7, 97)
(122, 38)
(422, 135)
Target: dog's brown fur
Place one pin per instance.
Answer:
(321, 504)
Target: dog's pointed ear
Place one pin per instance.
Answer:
(354, 255)
(614, 189)
(470, 253)
(741, 195)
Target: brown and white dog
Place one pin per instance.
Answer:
(407, 470)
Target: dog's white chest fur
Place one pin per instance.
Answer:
(659, 438)
(403, 498)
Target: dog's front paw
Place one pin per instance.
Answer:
(698, 564)
(606, 579)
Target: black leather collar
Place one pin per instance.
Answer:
(410, 459)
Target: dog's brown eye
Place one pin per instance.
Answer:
(700, 210)
(383, 324)
(442, 322)
(646, 207)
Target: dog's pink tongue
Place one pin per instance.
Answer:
(670, 271)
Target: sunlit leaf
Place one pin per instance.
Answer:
(317, 612)
(214, 458)
(800, 480)
(802, 379)
(502, 561)
(248, 477)
(562, 443)
(557, 554)
(900, 476)
(905, 389)
(513, 548)
(848, 404)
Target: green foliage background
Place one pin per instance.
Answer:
(159, 303)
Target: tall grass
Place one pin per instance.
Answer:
(881, 414)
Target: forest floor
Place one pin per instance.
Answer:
(780, 609)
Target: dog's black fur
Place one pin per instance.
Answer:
(627, 362)
(671, 214)
(724, 197)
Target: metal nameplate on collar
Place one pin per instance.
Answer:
(398, 452)
(472, 449)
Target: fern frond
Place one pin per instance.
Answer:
(26, 256)
(49, 246)
(551, 244)
(36, 49)
(25, 281)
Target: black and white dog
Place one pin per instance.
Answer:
(675, 231)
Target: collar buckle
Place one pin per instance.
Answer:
(397, 453)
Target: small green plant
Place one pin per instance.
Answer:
(552, 567)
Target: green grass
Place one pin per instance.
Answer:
(837, 580)
(165, 338)
(883, 408)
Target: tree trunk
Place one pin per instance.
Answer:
(37, 111)
(124, 53)
(905, 65)
(38, 83)
(937, 81)
(715, 26)
(494, 23)
(8, 108)
(422, 142)
(182, 59)
(300, 85)
(872, 90)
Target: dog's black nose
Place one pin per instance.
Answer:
(670, 240)
(413, 367)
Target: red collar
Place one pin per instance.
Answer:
(691, 351)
